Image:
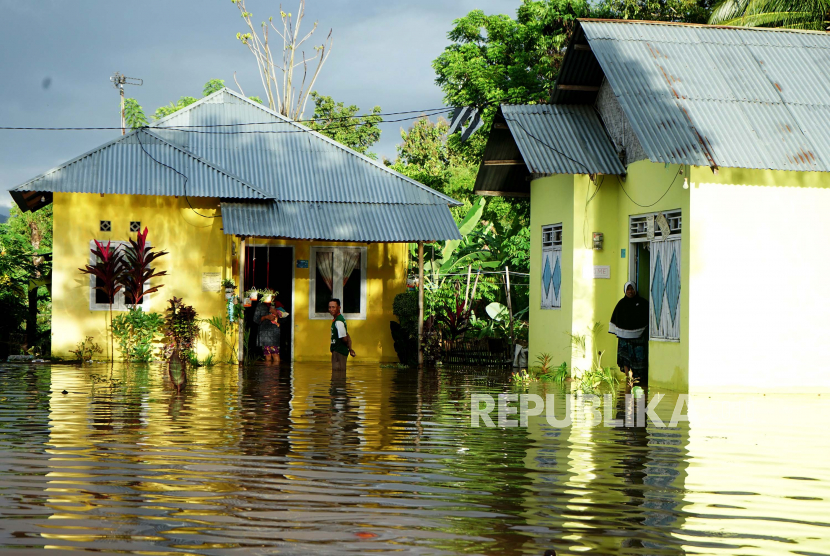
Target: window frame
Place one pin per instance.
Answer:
(119, 303)
(552, 243)
(337, 279)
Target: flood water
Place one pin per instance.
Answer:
(297, 461)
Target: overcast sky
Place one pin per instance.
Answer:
(57, 56)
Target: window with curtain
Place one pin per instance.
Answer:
(338, 272)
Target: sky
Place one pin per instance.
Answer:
(58, 55)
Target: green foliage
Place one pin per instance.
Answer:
(496, 59)
(181, 328)
(163, 111)
(136, 332)
(687, 11)
(212, 86)
(86, 349)
(256, 99)
(228, 331)
(134, 114)
(785, 14)
(228, 283)
(405, 331)
(25, 249)
(340, 122)
(591, 379)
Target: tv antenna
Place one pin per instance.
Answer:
(118, 81)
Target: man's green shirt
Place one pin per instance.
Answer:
(337, 343)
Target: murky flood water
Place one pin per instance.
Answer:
(297, 461)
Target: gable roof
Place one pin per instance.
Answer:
(534, 140)
(287, 159)
(710, 96)
(235, 149)
(101, 170)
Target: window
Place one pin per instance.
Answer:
(98, 300)
(552, 266)
(655, 239)
(338, 272)
(135, 226)
(105, 226)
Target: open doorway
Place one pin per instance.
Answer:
(641, 274)
(271, 267)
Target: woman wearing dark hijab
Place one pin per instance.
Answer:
(629, 323)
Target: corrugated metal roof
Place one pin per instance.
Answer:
(369, 222)
(562, 139)
(286, 159)
(122, 166)
(746, 98)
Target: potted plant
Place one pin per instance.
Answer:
(268, 295)
(229, 286)
(252, 294)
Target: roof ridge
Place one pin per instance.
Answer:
(699, 25)
(318, 135)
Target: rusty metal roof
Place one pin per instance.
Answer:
(714, 96)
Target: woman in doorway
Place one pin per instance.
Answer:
(268, 336)
(629, 323)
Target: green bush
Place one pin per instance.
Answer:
(136, 331)
(405, 331)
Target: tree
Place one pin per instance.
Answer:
(278, 80)
(28, 240)
(341, 123)
(495, 59)
(787, 14)
(688, 11)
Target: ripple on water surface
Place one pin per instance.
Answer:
(267, 461)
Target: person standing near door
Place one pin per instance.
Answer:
(629, 323)
(341, 343)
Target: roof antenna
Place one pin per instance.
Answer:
(118, 81)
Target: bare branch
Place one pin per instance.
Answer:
(238, 86)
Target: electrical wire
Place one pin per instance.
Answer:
(679, 170)
(138, 136)
(420, 114)
(554, 149)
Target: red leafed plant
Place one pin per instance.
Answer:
(137, 270)
(109, 269)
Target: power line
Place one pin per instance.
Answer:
(554, 149)
(138, 136)
(680, 169)
(420, 114)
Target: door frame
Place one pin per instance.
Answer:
(293, 287)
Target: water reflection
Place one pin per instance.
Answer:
(269, 459)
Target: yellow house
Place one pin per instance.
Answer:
(226, 183)
(693, 161)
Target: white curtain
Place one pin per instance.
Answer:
(325, 265)
(350, 261)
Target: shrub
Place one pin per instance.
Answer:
(405, 331)
(136, 331)
(181, 329)
(86, 349)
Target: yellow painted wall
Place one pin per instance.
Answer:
(552, 203)
(371, 338)
(196, 245)
(575, 201)
(760, 268)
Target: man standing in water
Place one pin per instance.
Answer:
(341, 343)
